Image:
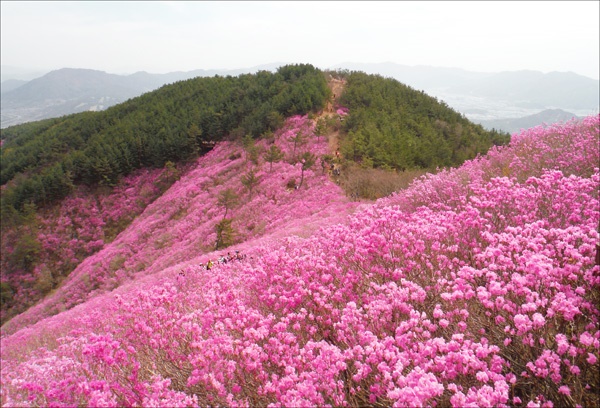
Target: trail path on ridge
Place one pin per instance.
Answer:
(337, 88)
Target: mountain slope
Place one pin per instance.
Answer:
(392, 125)
(476, 286)
(11, 84)
(174, 123)
(181, 225)
(43, 163)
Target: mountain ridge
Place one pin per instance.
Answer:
(73, 90)
(461, 88)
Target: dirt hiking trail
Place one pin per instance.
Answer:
(337, 87)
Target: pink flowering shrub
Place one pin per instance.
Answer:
(342, 111)
(180, 225)
(77, 228)
(467, 289)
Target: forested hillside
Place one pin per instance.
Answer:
(392, 125)
(389, 125)
(70, 185)
(42, 161)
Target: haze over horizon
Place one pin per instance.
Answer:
(160, 37)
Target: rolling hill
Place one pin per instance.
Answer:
(232, 269)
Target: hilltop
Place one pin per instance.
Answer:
(480, 96)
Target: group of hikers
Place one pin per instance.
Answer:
(334, 167)
(223, 259)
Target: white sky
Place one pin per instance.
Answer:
(124, 37)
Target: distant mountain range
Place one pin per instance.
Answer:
(528, 89)
(11, 84)
(546, 117)
(71, 90)
(482, 97)
(501, 97)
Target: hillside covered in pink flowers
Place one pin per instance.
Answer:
(475, 286)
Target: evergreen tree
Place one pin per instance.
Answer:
(321, 127)
(250, 149)
(273, 155)
(228, 199)
(308, 160)
(225, 234)
(299, 140)
(194, 139)
(250, 180)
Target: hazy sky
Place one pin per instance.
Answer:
(124, 37)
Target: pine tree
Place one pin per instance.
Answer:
(225, 234)
(228, 199)
(250, 148)
(274, 154)
(250, 180)
(194, 135)
(298, 140)
(308, 160)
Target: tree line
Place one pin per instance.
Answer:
(391, 125)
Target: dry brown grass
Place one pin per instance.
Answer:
(371, 184)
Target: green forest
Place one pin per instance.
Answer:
(391, 125)
(43, 161)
